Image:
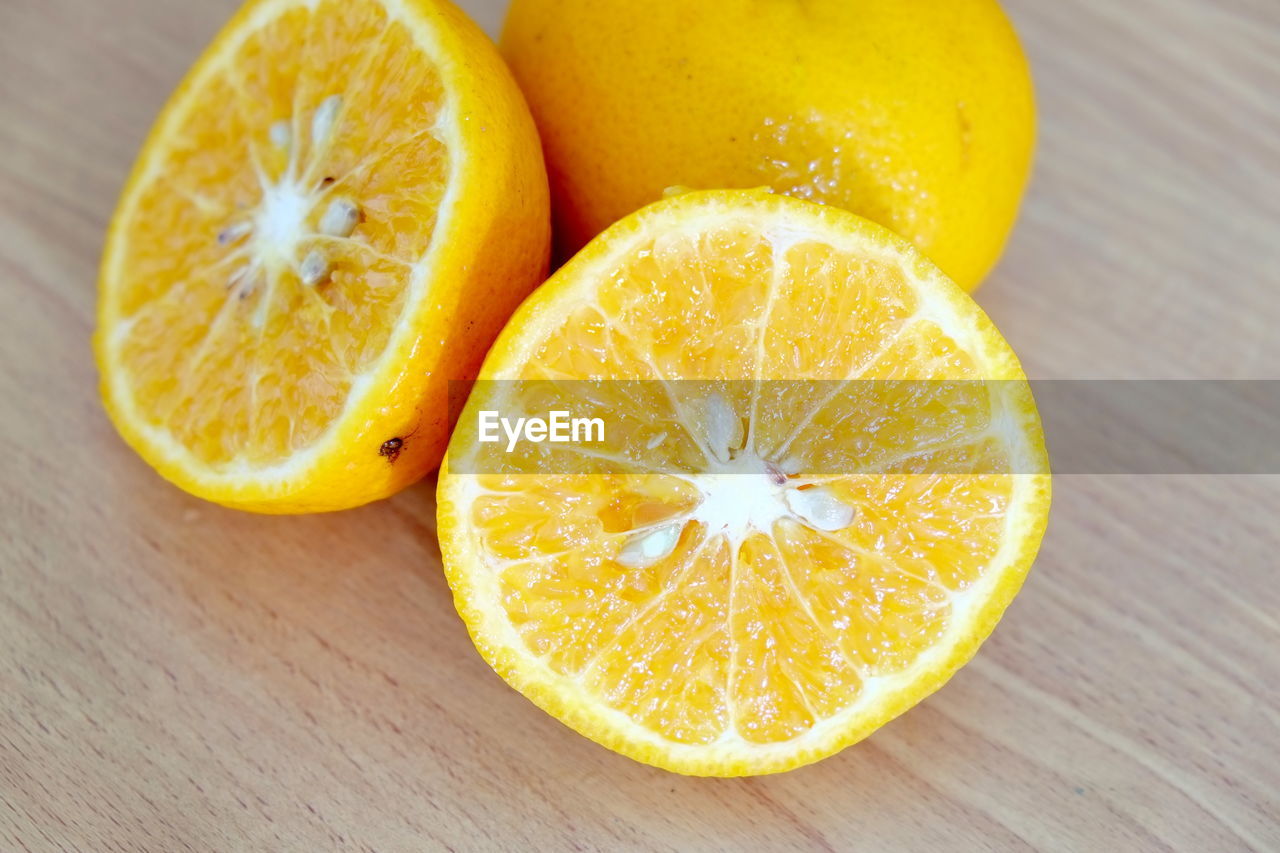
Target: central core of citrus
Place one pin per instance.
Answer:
(738, 495)
(281, 222)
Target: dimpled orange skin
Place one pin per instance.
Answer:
(917, 114)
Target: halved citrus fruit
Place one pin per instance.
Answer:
(331, 219)
(742, 577)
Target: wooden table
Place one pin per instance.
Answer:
(174, 676)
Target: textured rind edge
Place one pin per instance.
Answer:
(518, 668)
(497, 178)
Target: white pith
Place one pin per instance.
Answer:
(281, 221)
(738, 497)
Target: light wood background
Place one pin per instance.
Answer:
(174, 676)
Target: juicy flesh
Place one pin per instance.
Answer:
(719, 588)
(270, 251)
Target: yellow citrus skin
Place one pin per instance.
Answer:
(487, 239)
(487, 537)
(916, 114)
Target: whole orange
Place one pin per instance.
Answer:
(917, 114)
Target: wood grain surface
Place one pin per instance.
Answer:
(174, 676)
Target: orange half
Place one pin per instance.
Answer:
(744, 580)
(331, 219)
